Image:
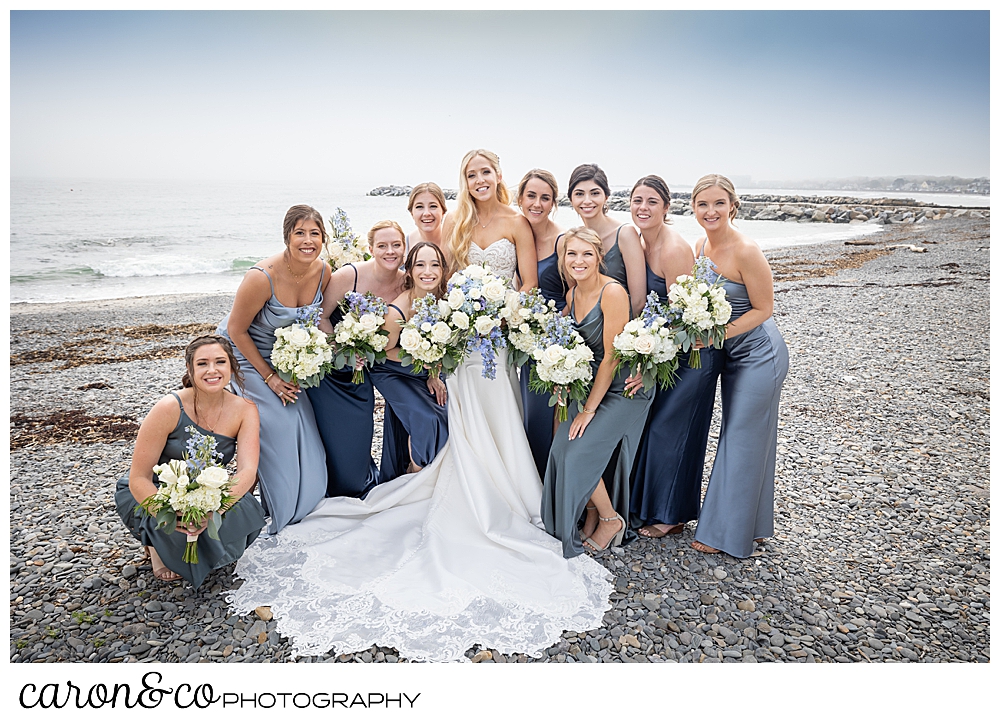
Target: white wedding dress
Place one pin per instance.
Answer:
(435, 562)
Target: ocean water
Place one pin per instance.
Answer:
(73, 240)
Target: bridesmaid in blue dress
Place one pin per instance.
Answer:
(593, 451)
(292, 464)
(427, 206)
(204, 402)
(666, 481)
(345, 411)
(739, 502)
(416, 419)
(536, 197)
(623, 259)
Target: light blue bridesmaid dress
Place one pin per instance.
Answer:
(538, 415)
(412, 415)
(739, 501)
(345, 414)
(241, 524)
(292, 466)
(606, 449)
(666, 481)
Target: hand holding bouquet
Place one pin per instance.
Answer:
(301, 354)
(359, 336)
(434, 338)
(526, 314)
(344, 246)
(699, 305)
(478, 294)
(647, 345)
(562, 365)
(191, 490)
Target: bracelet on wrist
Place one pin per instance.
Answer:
(588, 411)
(268, 377)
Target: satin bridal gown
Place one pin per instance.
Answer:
(435, 562)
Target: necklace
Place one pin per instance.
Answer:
(218, 416)
(295, 277)
(484, 225)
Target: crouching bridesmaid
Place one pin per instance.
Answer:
(206, 404)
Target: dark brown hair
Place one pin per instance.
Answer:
(658, 185)
(589, 172)
(301, 213)
(411, 259)
(206, 340)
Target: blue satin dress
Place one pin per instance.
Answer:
(292, 466)
(412, 415)
(606, 449)
(539, 417)
(241, 524)
(739, 501)
(666, 481)
(345, 415)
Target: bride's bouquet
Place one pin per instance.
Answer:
(526, 314)
(343, 246)
(699, 304)
(647, 345)
(359, 335)
(562, 365)
(479, 295)
(190, 489)
(434, 338)
(301, 353)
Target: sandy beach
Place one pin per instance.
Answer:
(881, 551)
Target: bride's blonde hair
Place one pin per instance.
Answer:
(465, 211)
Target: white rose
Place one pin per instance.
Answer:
(624, 342)
(494, 290)
(525, 328)
(440, 332)
(456, 298)
(460, 319)
(444, 308)
(484, 325)
(409, 339)
(553, 355)
(645, 344)
(426, 327)
(457, 279)
(342, 337)
(513, 299)
(369, 323)
(297, 336)
(474, 272)
(633, 326)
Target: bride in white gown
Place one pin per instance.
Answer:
(455, 555)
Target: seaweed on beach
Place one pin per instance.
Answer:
(72, 425)
(796, 270)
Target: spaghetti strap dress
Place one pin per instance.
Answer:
(345, 414)
(666, 481)
(412, 415)
(739, 501)
(241, 524)
(614, 264)
(538, 415)
(606, 449)
(292, 466)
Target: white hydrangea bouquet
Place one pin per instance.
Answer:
(434, 338)
(480, 295)
(562, 365)
(343, 246)
(648, 346)
(526, 314)
(359, 335)
(301, 353)
(190, 489)
(698, 303)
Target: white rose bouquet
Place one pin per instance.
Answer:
(648, 347)
(434, 338)
(562, 365)
(479, 294)
(526, 314)
(359, 335)
(190, 489)
(301, 353)
(700, 310)
(343, 246)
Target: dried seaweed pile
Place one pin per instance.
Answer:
(73, 425)
(796, 270)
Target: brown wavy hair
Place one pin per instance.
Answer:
(411, 259)
(431, 188)
(301, 213)
(658, 185)
(206, 340)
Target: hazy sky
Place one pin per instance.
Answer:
(398, 97)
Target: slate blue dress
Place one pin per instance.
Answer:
(411, 414)
(345, 415)
(538, 415)
(666, 481)
(292, 466)
(240, 525)
(606, 449)
(739, 501)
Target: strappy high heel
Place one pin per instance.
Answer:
(614, 541)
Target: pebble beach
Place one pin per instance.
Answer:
(882, 509)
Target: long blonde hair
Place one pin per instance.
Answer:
(715, 179)
(465, 211)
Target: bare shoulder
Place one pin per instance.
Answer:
(628, 234)
(164, 414)
(748, 251)
(615, 292)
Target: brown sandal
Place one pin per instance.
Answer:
(702, 547)
(655, 533)
(161, 571)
